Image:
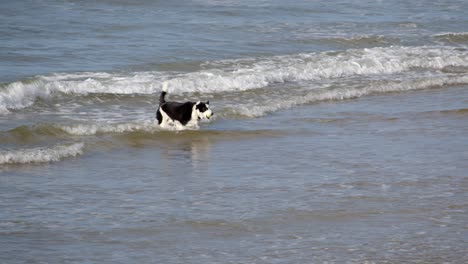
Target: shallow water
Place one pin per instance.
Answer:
(339, 133)
(333, 181)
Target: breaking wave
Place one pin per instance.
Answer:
(40, 155)
(345, 93)
(102, 128)
(84, 129)
(363, 40)
(236, 75)
(453, 38)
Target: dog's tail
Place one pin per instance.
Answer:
(162, 99)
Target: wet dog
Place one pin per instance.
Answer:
(180, 116)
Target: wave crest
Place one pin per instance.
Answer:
(40, 155)
(102, 128)
(457, 38)
(344, 93)
(238, 75)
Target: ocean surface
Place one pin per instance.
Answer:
(340, 132)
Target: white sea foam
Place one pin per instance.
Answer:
(101, 128)
(317, 66)
(19, 95)
(88, 129)
(456, 35)
(344, 93)
(37, 155)
(462, 34)
(237, 75)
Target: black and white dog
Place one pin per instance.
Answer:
(180, 116)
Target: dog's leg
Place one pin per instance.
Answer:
(159, 117)
(166, 121)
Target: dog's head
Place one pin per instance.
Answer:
(203, 110)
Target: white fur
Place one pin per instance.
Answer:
(193, 123)
(164, 87)
(167, 122)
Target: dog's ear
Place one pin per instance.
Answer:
(208, 102)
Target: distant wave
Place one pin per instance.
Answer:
(236, 75)
(318, 66)
(38, 155)
(460, 112)
(459, 37)
(363, 40)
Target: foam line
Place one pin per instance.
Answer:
(238, 75)
(101, 128)
(345, 93)
(38, 155)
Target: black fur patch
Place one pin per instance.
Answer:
(202, 107)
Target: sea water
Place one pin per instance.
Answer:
(339, 135)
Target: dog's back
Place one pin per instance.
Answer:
(181, 112)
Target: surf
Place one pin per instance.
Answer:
(227, 76)
(41, 154)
